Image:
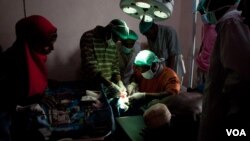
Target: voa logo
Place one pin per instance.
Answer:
(236, 132)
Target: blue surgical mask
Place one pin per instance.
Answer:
(126, 50)
(204, 19)
(209, 18)
(148, 74)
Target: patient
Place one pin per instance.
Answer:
(24, 76)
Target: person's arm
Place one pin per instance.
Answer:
(158, 95)
(173, 47)
(171, 61)
(88, 59)
(142, 95)
(116, 72)
(234, 49)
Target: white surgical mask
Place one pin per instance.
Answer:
(148, 74)
(110, 41)
(126, 50)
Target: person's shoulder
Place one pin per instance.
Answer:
(169, 71)
(231, 18)
(93, 32)
(167, 28)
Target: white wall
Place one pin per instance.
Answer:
(74, 17)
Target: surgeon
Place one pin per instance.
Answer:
(99, 55)
(226, 96)
(163, 41)
(153, 79)
(128, 49)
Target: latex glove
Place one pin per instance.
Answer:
(137, 96)
(123, 94)
(37, 109)
(33, 108)
(122, 88)
(95, 94)
(131, 88)
(115, 86)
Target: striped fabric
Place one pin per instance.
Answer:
(97, 56)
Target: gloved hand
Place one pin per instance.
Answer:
(95, 94)
(36, 108)
(137, 96)
(131, 88)
(122, 88)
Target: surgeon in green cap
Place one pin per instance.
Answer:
(163, 41)
(152, 79)
(128, 49)
(99, 56)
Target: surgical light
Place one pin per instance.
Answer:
(142, 4)
(156, 10)
(147, 18)
(129, 10)
(161, 14)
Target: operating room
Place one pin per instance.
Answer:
(103, 117)
(72, 18)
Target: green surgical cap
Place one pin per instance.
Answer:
(145, 58)
(201, 6)
(132, 35)
(120, 28)
(145, 26)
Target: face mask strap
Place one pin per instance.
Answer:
(218, 9)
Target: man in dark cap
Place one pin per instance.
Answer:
(163, 41)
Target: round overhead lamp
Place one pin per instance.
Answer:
(129, 10)
(167, 12)
(161, 14)
(147, 18)
(156, 10)
(142, 4)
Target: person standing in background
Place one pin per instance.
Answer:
(163, 41)
(207, 44)
(226, 94)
